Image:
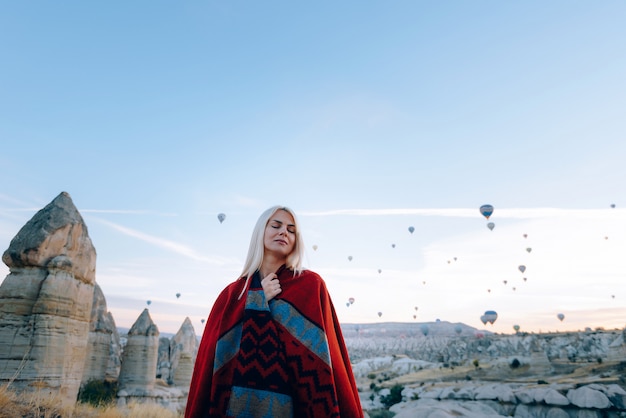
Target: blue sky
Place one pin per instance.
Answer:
(364, 117)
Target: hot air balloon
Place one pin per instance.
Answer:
(505, 281)
(514, 289)
(525, 235)
(393, 245)
(516, 327)
(177, 295)
(613, 205)
(379, 271)
(525, 278)
(529, 249)
(424, 329)
(148, 302)
(491, 316)
(483, 319)
(315, 248)
(486, 210)
(458, 329)
(351, 300)
(349, 258)
(522, 268)
(411, 229)
(380, 314)
(348, 304)
(415, 308)
(221, 217)
(414, 316)
(491, 225)
(560, 316)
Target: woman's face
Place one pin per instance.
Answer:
(280, 235)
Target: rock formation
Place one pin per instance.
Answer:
(139, 360)
(183, 348)
(46, 301)
(103, 348)
(495, 389)
(511, 400)
(163, 364)
(451, 349)
(138, 380)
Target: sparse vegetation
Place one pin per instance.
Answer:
(394, 397)
(98, 392)
(380, 413)
(37, 405)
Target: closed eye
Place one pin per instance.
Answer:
(277, 224)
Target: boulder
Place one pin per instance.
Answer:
(557, 413)
(616, 395)
(554, 397)
(585, 397)
(501, 393)
(429, 408)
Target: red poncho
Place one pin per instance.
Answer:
(282, 359)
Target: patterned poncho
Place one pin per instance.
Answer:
(282, 359)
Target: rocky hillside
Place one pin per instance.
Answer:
(456, 371)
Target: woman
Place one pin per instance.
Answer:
(272, 346)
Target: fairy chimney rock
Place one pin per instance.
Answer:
(55, 238)
(46, 300)
(139, 359)
(103, 348)
(183, 347)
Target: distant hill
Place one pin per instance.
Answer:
(389, 329)
(124, 332)
(409, 329)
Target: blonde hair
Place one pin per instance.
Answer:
(257, 248)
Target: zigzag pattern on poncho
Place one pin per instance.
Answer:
(264, 355)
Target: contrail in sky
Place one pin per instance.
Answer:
(165, 244)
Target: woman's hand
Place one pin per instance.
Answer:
(271, 286)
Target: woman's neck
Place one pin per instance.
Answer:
(270, 266)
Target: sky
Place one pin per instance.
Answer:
(364, 117)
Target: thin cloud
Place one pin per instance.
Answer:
(127, 212)
(12, 200)
(8, 210)
(524, 213)
(172, 246)
(384, 212)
